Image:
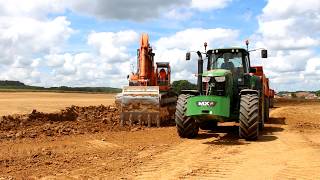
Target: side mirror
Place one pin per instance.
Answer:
(188, 56)
(253, 70)
(264, 53)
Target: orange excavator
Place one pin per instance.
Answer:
(148, 99)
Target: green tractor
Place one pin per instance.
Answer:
(227, 91)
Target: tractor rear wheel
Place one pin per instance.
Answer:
(249, 117)
(187, 127)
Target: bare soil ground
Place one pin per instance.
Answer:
(25, 102)
(289, 148)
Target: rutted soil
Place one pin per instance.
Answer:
(72, 120)
(288, 148)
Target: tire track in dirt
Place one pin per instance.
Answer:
(188, 160)
(280, 153)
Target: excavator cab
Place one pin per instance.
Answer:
(163, 76)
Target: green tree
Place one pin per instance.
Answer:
(183, 85)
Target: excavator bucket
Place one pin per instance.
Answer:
(140, 104)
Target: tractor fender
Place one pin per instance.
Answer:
(249, 91)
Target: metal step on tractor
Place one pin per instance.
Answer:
(228, 90)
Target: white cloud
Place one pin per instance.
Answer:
(26, 34)
(313, 65)
(31, 8)
(32, 43)
(107, 66)
(205, 5)
(289, 8)
(179, 14)
(113, 46)
(137, 10)
(20, 36)
(290, 24)
(290, 31)
(194, 38)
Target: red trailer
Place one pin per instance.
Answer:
(268, 94)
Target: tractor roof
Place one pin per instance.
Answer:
(229, 48)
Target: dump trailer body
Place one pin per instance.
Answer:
(264, 80)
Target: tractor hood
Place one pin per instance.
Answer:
(216, 72)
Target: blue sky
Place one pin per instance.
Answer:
(93, 43)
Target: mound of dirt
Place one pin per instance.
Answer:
(72, 120)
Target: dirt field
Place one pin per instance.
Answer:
(289, 148)
(25, 102)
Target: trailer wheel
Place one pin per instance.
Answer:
(187, 127)
(267, 106)
(262, 112)
(249, 117)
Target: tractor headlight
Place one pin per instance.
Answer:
(220, 78)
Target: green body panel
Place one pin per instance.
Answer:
(255, 83)
(198, 106)
(216, 72)
(229, 79)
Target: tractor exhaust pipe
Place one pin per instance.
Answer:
(200, 71)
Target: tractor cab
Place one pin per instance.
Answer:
(235, 60)
(226, 69)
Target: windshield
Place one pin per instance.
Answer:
(226, 60)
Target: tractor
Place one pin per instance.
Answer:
(227, 91)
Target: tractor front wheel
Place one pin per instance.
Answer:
(249, 117)
(187, 127)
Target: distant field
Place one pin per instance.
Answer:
(25, 102)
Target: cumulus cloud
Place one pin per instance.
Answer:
(23, 37)
(137, 10)
(32, 43)
(31, 8)
(194, 38)
(107, 65)
(205, 5)
(113, 46)
(290, 30)
(179, 14)
(25, 34)
(290, 24)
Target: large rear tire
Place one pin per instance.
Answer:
(249, 117)
(187, 127)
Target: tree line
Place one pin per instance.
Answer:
(17, 85)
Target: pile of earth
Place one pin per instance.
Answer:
(72, 120)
